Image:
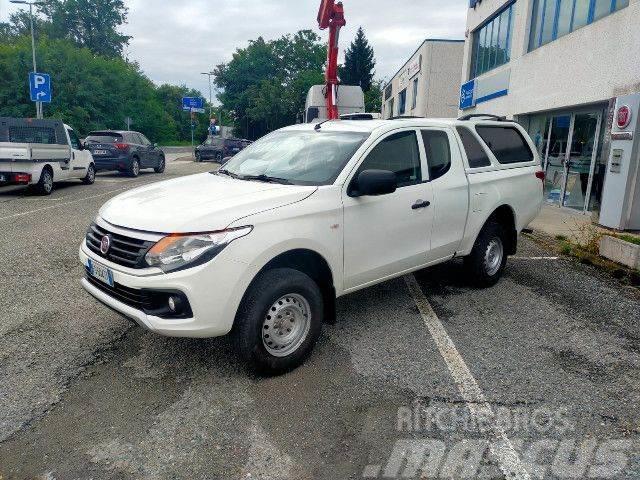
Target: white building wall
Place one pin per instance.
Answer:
(438, 84)
(592, 64)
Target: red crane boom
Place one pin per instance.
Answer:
(331, 16)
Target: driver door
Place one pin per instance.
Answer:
(388, 234)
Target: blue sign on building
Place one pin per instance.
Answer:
(40, 86)
(467, 91)
(192, 103)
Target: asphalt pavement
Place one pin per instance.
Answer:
(422, 376)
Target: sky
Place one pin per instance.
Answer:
(175, 40)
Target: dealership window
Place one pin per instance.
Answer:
(402, 102)
(552, 19)
(414, 100)
(492, 42)
(391, 106)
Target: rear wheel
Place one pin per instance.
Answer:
(45, 184)
(161, 165)
(488, 258)
(90, 177)
(219, 157)
(198, 156)
(134, 168)
(279, 321)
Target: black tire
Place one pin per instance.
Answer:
(45, 184)
(161, 166)
(250, 326)
(488, 258)
(90, 177)
(219, 157)
(198, 156)
(134, 168)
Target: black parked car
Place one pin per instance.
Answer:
(217, 148)
(127, 152)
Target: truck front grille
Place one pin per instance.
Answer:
(125, 251)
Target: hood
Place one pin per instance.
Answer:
(197, 203)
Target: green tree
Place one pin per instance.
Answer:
(359, 63)
(93, 92)
(265, 84)
(87, 23)
(373, 97)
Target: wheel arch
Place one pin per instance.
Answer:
(505, 216)
(313, 264)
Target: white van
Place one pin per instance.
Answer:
(38, 153)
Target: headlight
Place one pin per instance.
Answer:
(178, 251)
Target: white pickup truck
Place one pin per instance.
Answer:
(262, 247)
(38, 153)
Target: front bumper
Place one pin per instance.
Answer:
(214, 291)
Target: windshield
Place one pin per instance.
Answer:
(298, 157)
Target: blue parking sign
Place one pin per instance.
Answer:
(40, 86)
(467, 91)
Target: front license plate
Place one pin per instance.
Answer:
(3, 178)
(235, 149)
(100, 152)
(102, 273)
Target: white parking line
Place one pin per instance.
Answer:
(56, 205)
(500, 445)
(534, 258)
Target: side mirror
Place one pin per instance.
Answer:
(374, 182)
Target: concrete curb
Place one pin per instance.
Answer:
(620, 251)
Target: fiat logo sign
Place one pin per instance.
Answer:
(105, 244)
(623, 117)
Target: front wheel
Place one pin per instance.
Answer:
(219, 157)
(90, 177)
(161, 165)
(488, 259)
(279, 321)
(198, 156)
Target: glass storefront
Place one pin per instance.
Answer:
(570, 148)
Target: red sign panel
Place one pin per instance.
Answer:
(623, 117)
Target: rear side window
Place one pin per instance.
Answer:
(506, 143)
(436, 144)
(476, 155)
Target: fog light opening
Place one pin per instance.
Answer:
(175, 305)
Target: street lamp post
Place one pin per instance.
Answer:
(33, 44)
(209, 74)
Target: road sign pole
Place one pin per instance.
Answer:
(33, 52)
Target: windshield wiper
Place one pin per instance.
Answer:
(224, 171)
(266, 178)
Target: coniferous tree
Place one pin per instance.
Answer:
(359, 63)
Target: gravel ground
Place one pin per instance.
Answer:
(84, 393)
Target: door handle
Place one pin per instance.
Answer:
(420, 204)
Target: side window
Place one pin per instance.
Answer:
(75, 141)
(134, 139)
(506, 143)
(398, 153)
(476, 155)
(436, 144)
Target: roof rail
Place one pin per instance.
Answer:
(499, 118)
(404, 117)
